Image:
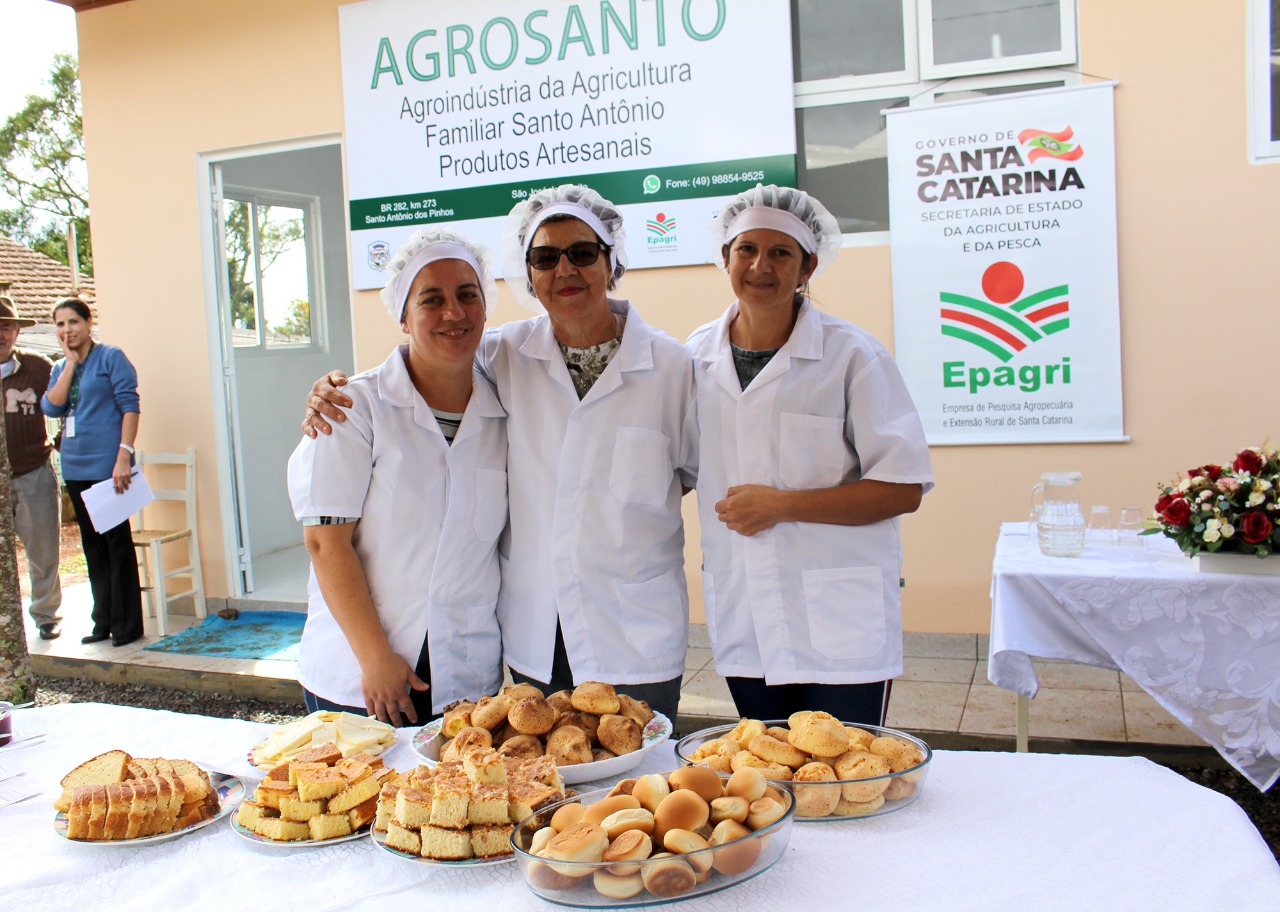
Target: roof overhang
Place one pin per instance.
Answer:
(81, 5)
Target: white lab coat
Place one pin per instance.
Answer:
(804, 602)
(596, 538)
(430, 518)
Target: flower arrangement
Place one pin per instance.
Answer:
(1224, 508)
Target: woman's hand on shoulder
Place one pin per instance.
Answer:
(325, 401)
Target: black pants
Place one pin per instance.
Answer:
(861, 704)
(662, 696)
(113, 573)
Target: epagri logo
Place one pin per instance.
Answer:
(661, 231)
(1005, 324)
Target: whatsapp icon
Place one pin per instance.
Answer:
(652, 184)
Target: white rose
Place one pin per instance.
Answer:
(1255, 498)
(1228, 530)
(1211, 535)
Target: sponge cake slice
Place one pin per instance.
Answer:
(104, 769)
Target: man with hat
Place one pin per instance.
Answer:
(37, 506)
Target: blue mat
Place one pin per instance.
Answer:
(252, 635)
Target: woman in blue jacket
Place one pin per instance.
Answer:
(94, 390)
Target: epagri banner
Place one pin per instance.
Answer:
(455, 112)
(1003, 245)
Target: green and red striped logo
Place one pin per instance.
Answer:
(660, 225)
(1004, 323)
(1043, 144)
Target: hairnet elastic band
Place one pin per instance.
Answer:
(775, 219)
(582, 213)
(442, 250)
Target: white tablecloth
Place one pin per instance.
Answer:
(1206, 646)
(991, 831)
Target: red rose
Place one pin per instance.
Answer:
(1248, 461)
(1255, 527)
(1212, 472)
(1177, 513)
(1163, 501)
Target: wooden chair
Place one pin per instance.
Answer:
(150, 542)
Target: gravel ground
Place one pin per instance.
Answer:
(70, 690)
(1263, 809)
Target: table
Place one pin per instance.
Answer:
(1206, 646)
(990, 831)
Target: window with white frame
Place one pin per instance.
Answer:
(272, 268)
(857, 58)
(1264, 80)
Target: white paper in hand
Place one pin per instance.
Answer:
(108, 509)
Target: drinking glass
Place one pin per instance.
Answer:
(1100, 530)
(1130, 524)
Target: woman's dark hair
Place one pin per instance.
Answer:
(79, 306)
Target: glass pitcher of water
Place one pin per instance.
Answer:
(1061, 527)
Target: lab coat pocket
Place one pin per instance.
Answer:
(641, 466)
(811, 451)
(491, 503)
(846, 611)
(651, 614)
(478, 655)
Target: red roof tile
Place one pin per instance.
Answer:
(37, 282)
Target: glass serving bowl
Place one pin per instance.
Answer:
(579, 883)
(873, 796)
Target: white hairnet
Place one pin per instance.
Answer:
(784, 209)
(426, 245)
(579, 201)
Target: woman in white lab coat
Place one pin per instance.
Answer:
(810, 450)
(603, 441)
(402, 506)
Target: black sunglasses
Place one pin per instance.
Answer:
(583, 253)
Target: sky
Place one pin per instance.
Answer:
(31, 32)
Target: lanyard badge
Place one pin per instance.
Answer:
(69, 422)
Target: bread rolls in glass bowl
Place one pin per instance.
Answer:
(838, 770)
(659, 838)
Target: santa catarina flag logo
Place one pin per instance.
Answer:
(1043, 144)
(1005, 322)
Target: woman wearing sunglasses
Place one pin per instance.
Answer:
(603, 436)
(811, 448)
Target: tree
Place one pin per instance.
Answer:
(17, 680)
(274, 237)
(298, 321)
(42, 169)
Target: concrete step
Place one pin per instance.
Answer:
(211, 681)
